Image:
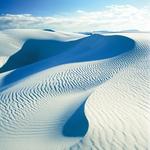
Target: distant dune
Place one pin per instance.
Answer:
(63, 90)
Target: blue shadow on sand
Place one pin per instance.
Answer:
(77, 124)
(38, 55)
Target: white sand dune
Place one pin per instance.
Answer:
(78, 99)
(121, 108)
(12, 40)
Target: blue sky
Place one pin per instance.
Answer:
(54, 7)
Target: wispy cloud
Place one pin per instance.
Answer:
(115, 17)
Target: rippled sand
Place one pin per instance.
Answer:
(77, 99)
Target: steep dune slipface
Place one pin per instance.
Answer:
(90, 48)
(99, 104)
(118, 111)
(94, 47)
(13, 39)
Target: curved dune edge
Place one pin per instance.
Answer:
(121, 115)
(94, 47)
(13, 39)
(35, 109)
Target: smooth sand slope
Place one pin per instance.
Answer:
(83, 92)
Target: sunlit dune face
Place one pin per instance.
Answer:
(3, 61)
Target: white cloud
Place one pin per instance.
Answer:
(115, 17)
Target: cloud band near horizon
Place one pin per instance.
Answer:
(114, 18)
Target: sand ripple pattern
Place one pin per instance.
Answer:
(121, 115)
(117, 111)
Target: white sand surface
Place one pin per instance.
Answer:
(84, 100)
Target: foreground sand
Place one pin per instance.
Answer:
(93, 95)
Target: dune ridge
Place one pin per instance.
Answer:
(89, 48)
(121, 108)
(35, 110)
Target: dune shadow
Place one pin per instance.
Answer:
(77, 124)
(38, 55)
(33, 51)
(50, 30)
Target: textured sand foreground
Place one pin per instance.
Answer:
(72, 91)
